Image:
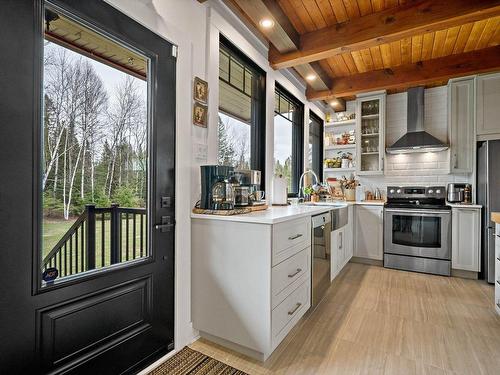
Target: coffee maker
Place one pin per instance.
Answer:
(249, 185)
(216, 187)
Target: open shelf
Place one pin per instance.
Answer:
(340, 147)
(367, 117)
(340, 123)
(339, 169)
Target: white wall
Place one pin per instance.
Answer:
(195, 28)
(182, 23)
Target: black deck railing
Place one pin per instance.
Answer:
(100, 236)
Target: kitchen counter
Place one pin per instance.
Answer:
(463, 205)
(273, 215)
(495, 216)
(279, 214)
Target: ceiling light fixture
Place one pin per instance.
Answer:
(266, 23)
(311, 77)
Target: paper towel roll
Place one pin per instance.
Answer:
(280, 193)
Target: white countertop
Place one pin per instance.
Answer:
(464, 205)
(273, 215)
(278, 214)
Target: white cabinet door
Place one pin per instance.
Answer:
(369, 232)
(462, 131)
(348, 234)
(337, 255)
(488, 105)
(334, 254)
(370, 134)
(466, 239)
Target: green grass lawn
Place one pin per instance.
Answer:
(54, 230)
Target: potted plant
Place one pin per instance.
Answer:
(345, 158)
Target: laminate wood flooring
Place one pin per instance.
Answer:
(380, 321)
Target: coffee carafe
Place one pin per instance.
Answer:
(217, 191)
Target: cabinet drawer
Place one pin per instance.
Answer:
(290, 273)
(295, 304)
(290, 237)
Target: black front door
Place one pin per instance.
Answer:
(87, 145)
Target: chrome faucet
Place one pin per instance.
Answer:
(301, 182)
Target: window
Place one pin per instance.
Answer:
(315, 152)
(95, 150)
(241, 130)
(288, 138)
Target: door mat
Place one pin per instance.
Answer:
(191, 362)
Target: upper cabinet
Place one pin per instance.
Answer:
(488, 106)
(462, 130)
(370, 130)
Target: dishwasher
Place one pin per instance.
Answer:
(320, 254)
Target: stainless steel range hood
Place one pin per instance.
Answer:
(416, 138)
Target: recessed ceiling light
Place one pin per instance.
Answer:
(311, 77)
(266, 23)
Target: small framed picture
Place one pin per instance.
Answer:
(200, 115)
(200, 90)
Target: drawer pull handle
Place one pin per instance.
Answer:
(297, 306)
(299, 270)
(291, 238)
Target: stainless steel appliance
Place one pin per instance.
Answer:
(456, 192)
(250, 178)
(416, 138)
(321, 231)
(216, 189)
(488, 187)
(417, 230)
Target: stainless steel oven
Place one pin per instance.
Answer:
(421, 233)
(417, 232)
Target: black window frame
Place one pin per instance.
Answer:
(313, 117)
(297, 136)
(258, 110)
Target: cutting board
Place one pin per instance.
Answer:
(236, 211)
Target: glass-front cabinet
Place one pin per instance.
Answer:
(370, 123)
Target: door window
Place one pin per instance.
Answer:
(416, 231)
(95, 162)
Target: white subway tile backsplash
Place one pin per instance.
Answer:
(419, 168)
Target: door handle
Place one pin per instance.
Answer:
(166, 224)
(291, 238)
(341, 240)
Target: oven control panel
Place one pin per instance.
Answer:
(438, 192)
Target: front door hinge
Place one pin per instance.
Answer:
(174, 51)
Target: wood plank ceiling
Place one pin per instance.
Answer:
(382, 35)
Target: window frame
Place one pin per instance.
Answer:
(258, 106)
(314, 117)
(297, 136)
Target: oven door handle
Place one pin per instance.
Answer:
(419, 212)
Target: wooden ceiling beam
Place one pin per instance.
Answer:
(410, 75)
(283, 36)
(413, 18)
